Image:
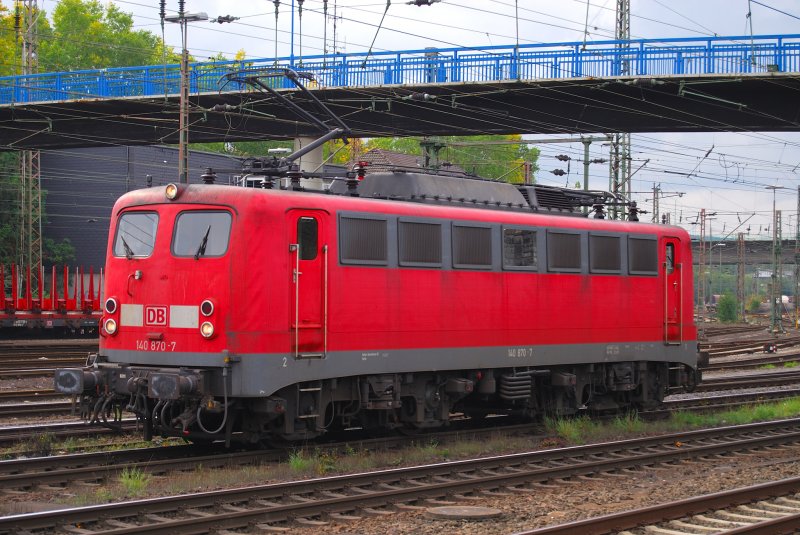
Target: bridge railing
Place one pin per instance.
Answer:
(598, 59)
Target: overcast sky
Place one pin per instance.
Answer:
(731, 179)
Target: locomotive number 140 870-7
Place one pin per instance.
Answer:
(154, 345)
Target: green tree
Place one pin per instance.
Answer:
(499, 161)
(477, 155)
(243, 149)
(91, 35)
(57, 253)
(406, 145)
(754, 303)
(10, 202)
(81, 34)
(8, 48)
(727, 309)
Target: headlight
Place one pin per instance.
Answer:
(171, 191)
(207, 329)
(110, 326)
(207, 307)
(111, 305)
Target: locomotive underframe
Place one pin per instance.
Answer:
(196, 403)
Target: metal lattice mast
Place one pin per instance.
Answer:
(740, 275)
(621, 146)
(656, 195)
(777, 278)
(701, 278)
(30, 177)
(797, 264)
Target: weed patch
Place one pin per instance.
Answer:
(134, 481)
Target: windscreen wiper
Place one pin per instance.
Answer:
(202, 249)
(128, 250)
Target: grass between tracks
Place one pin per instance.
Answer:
(789, 364)
(583, 430)
(307, 462)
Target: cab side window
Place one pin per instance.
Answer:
(669, 257)
(307, 236)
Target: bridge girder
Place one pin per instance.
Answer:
(757, 102)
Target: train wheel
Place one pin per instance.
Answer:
(693, 379)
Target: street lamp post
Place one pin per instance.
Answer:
(183, 18)
(775, 292)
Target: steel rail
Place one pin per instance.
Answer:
(749, 381)
(13, 410)
(753, 362)
(27, 395)
(679, 509)
(18, 434)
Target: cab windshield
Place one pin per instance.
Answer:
(136, 234)
(201, 234)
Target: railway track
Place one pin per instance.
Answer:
(270, 507)
(770, 508)
(21, 410)
(62, 430)
(40, 358)
(16, 396)
(35, 363)
(723, 330)
(722, 349)
(754, 362)
(94, 467)
(756, 380)
(720, 402)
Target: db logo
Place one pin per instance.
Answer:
(155, 316)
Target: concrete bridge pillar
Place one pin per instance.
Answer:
(310, 162)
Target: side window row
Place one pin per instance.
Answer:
(365, 240)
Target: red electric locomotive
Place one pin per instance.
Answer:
(241, 313)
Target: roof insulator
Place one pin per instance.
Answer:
(209, 177)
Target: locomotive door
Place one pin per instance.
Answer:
(309, 280)
(673, 281)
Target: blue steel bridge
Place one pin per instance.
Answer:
(684, 84)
